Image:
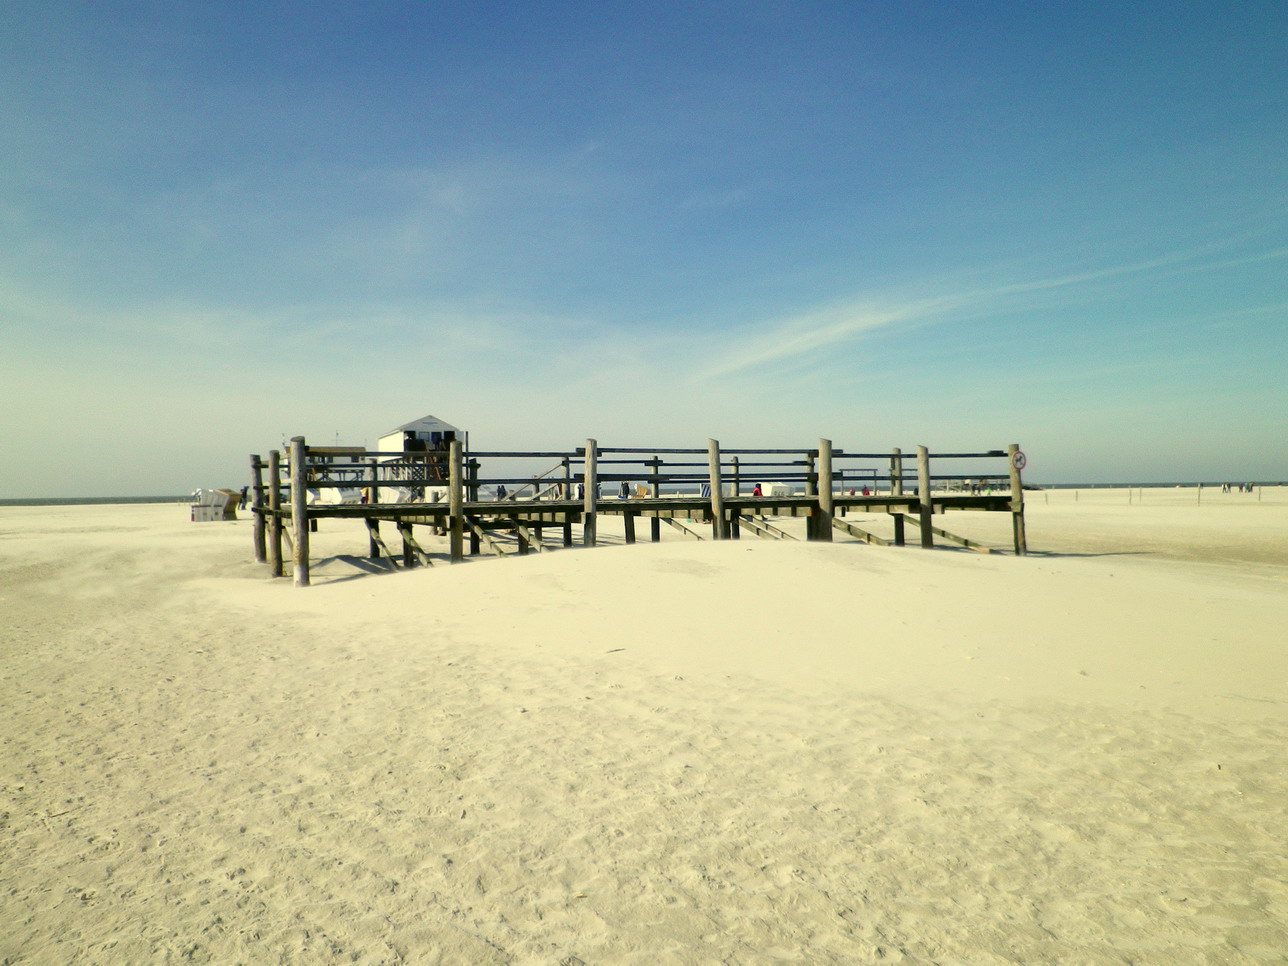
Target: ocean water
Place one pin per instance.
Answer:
(92, 500)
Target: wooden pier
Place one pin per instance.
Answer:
(443, 489)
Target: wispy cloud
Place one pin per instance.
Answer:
(799, 335)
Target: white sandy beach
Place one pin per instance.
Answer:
(729, 753)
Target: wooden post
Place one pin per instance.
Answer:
(299, 511)
(567, 495)
(719, 530)
(923, 492)
(590, 476)
(373, 526)
(409, 558)
(896, 489)
(655, 522)
(735, 515)
(275, 513)
(826, 501)
(1017, 501)
(257, 507)
(472, 493)
(455, 502)
(628, 526)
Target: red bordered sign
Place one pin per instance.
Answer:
(1019, 460)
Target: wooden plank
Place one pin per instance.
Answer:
(759, 523)
(486, 537)
(682, 528)
(960, 541)
(337, 451)
(533, 539)
(859, 532)
(378, 544)
(410, 544)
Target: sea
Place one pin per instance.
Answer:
(92, 500)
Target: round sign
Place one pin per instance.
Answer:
(1018, 460)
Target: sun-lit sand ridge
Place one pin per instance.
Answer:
(746, 752)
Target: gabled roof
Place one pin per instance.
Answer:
(423, 425)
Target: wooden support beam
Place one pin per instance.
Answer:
(531, 537)
(923, 493)
(719, 527)
(413, 552)
(486, 537)
(682, 528)
(864, 535)
(591, 495)
(378, 547)
(655, 525)
(257, 504)
(763, 528)
(953, 538)
(455, 501)
(826, 508)
(373, 499)
(567, 495)
(1017, 500)
(472, 492)
(628, 526)
(299, 511)
(275, 513)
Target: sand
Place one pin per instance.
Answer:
(744, 752)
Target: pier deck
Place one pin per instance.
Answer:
(446, 494)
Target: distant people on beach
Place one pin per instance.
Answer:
(756, 490)
(245, 498)
(501, 491)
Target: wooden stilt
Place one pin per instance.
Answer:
(825, 494)
(655, 524)
(590, 499)
(719, 526)
(275, 513)
(1017, 501)
(455, 502)
(257, 508)
(926, 508)
(300, 511)
(373, 526)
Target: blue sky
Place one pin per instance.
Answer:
(890, 223)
